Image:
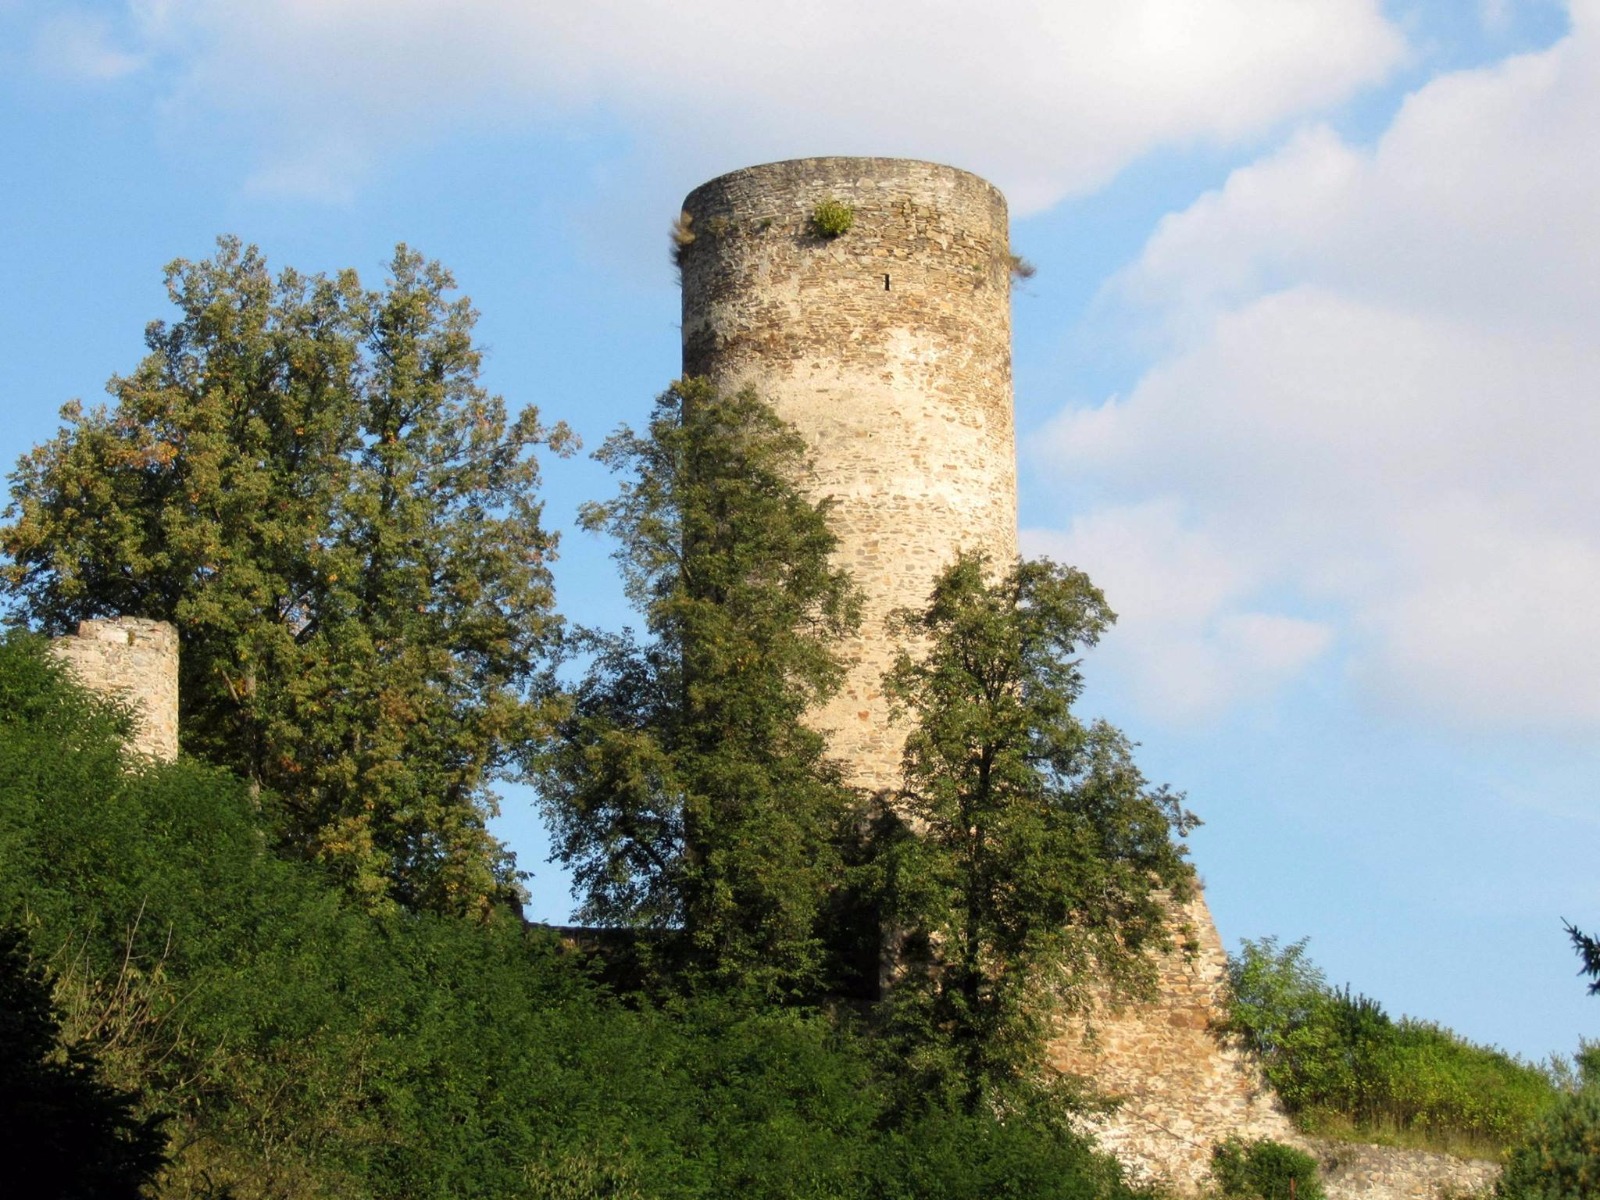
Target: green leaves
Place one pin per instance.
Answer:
(1340, 1063)
(685, 790)
(307, 478)
(1033, 857)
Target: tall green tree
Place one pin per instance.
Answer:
(307, 477)
(685, 790)
(1034, 860)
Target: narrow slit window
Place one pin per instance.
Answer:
(886, 283)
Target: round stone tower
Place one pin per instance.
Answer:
(888, 346)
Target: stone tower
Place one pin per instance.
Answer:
(134, 661)
(889, 349)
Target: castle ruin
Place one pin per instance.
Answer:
(134, 661)
(889, 348)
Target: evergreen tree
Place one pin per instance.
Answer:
(1588, 951)
(1033, 859)
(685, 791)
(307, 478)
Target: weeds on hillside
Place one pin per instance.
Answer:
(1345, 1069)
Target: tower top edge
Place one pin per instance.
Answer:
(845, 170)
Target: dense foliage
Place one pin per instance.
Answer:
(303, 1047)
(1341, 1064)
(686, 791)
(1264, 1170)
(306, 477)
(64, 1132)
(1033, 859)
(1559, 1156)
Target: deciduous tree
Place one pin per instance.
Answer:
(686, 791)
(1034, 859)
(307, 477)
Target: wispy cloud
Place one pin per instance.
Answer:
(1047, 99)
(82, 46)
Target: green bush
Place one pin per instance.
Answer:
(1264, 1170)
(1559, 1158)
(832, 218)
(64, 1131)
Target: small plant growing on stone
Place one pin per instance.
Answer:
(682, 236)
(832, 218)
(1021, 268)
(1264, 1170)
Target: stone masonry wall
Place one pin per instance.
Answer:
(1357, 1172)
(889, 348)
(135, 661)
(1182, 1088)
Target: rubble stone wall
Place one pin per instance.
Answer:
(135, 661)
(1352, 1171)
(889, 348)
(1182, 1087)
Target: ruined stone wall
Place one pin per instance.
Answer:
(135, 661)
(889, 348)
(1182, 1088)
(1351, 1171)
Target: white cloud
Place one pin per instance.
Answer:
(1185, 642)
(1377, 393)
(1046, 99)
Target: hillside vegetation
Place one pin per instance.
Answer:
(301, 1046)
(1344, 1068)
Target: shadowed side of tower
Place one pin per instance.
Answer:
(889, 348)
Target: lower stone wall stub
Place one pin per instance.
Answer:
(1356, 1171)
(1181, 1087)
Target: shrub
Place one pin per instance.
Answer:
(832, 218)
(1340, 1064)
(1264, 1170)
(306, 1048)
(1559, 1157)
(66, 1132)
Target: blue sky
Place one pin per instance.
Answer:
(1305, 379)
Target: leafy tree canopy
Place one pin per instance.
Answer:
(308, 479)
(685, 790)
(1034, 859)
